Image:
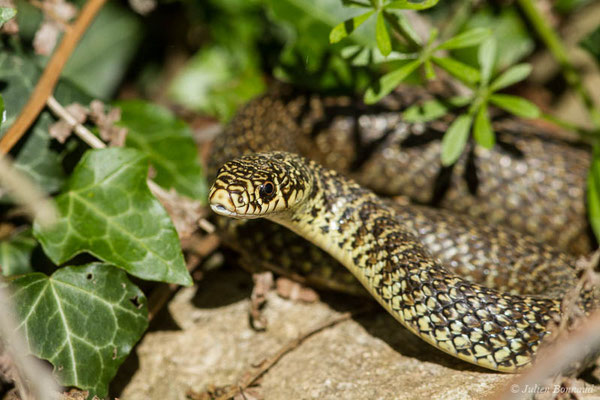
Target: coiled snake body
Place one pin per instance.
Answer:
(384, 246)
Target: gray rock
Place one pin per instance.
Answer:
(367, 357)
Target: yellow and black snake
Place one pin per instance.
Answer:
(407, 257)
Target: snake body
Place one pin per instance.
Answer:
(405, 256)
(531, 180)
(472, 322)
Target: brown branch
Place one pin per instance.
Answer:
(45, 86)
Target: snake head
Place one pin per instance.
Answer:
(260, 185)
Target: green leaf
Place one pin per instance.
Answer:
(468, 38)
(511, 76)
(311, 22)
(569, 6)
(36, 154)
(15, 253)
(411, 5)
(487, 57)
(168, 143)
(482, 129)
(400, 23)
(383, 37)
(37, 160)
(455, 139)
(29, 19)
(388, 82)
(84, 320)
(592, 44)
(6, 14)
(217, 80)
(516, 105)
(115, 34)
(457, 69)
(512, 36)
(433, 109)
(429, 71)
(345, 28)
(593, 192)
(108, 211)
(308, 59)
(354, 3)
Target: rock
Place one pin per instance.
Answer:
(366, 357)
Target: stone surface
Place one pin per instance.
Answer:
(367, 357)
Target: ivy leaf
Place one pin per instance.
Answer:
(37, 160)
(455, 139)
(516, 105)
(511, 76)
(15, 253)
(116, 33)
(469, 38)
(456, 68)
(108, 211)
(168, 143)
(37, 155)
(382, 36)
(345, 28)
(411, 5)
(482, 129)
(84, 320)
(389, 81)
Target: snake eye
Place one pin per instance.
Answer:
(267, 189)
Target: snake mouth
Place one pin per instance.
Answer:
(222, 204)
(221, 210)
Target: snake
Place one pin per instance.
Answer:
(406, 257)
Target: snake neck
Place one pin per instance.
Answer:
(471, 322)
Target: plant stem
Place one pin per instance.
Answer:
(559, 52)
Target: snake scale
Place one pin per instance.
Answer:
(407, 257)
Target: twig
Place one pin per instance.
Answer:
(45, 86)
(559, 52)
(271, 361)
(84, 134)
(27, 193)
(94, 142)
